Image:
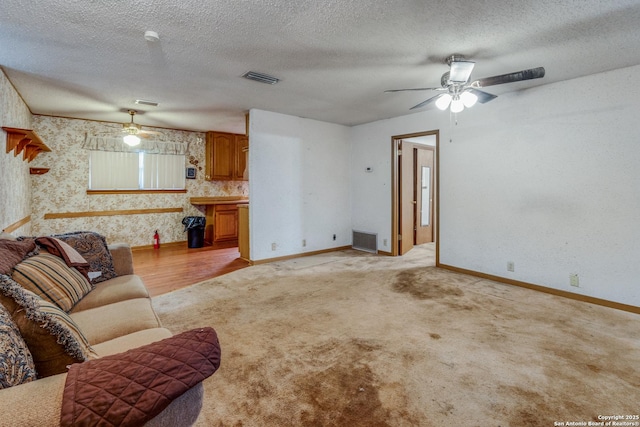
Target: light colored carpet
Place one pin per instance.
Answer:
(354, 339)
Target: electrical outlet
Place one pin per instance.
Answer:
(384, 243)
(574, 281)
(304, 243)
(334, 237)
(273, 246)
(511, 266)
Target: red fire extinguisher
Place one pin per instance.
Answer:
(156, 240)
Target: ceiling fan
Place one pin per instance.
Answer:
(134, 131)
(459, 93)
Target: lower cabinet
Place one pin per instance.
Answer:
(225, 223)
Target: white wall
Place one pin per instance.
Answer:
(371, 192)
(299, 185)
(547, 178)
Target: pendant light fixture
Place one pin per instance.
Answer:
(132, 130)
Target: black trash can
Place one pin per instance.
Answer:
(194, 225)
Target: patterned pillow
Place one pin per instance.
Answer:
(93, 247)
(54, 339)
(16, 363)
(49, 277)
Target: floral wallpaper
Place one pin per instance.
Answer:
(63, 188)
(15, 182)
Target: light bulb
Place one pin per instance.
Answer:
(456, 105)
(131, 140)
(443, 102)
(468, 99)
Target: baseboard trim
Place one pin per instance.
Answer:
(170, 244)
(300, 255)
(539, 288)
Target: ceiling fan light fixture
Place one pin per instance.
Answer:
(443, 101)
(457, 105)
(460, 71)
(468, 99)
(131, 140)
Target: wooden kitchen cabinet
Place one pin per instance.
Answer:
(243, 232)
(226, 156)
(222, 217)
(225, 223)
(242, 157)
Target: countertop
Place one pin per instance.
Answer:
(227, 200)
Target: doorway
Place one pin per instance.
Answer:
(415, 191)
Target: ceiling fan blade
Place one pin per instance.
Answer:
(418, 88)
(428, 101)
(530, 74)
(482, 95)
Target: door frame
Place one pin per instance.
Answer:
(395, 190)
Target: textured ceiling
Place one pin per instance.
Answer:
(89, 59)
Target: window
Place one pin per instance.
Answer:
(109, 170)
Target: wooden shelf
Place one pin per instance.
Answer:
(24, 141)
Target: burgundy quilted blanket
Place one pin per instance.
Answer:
(130, 388)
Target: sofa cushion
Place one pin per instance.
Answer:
(118, 289)
(110, 321)
(130, 341)
(93, 247)
(16, 363)
(12, 252)
(49, 277)
(53, 338)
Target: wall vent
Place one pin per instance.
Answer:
(367, 242)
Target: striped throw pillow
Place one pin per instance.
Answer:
(49, 277)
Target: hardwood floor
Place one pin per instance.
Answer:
(173, 267)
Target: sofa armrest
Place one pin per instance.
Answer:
(39, 403)
(122, 258)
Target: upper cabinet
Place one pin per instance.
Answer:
(226, 156)
(242, 155)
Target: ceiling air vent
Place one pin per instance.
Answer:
(259, 77)
(146, 102)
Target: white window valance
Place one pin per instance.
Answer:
(116, 144)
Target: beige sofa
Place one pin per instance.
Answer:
(115, 316)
